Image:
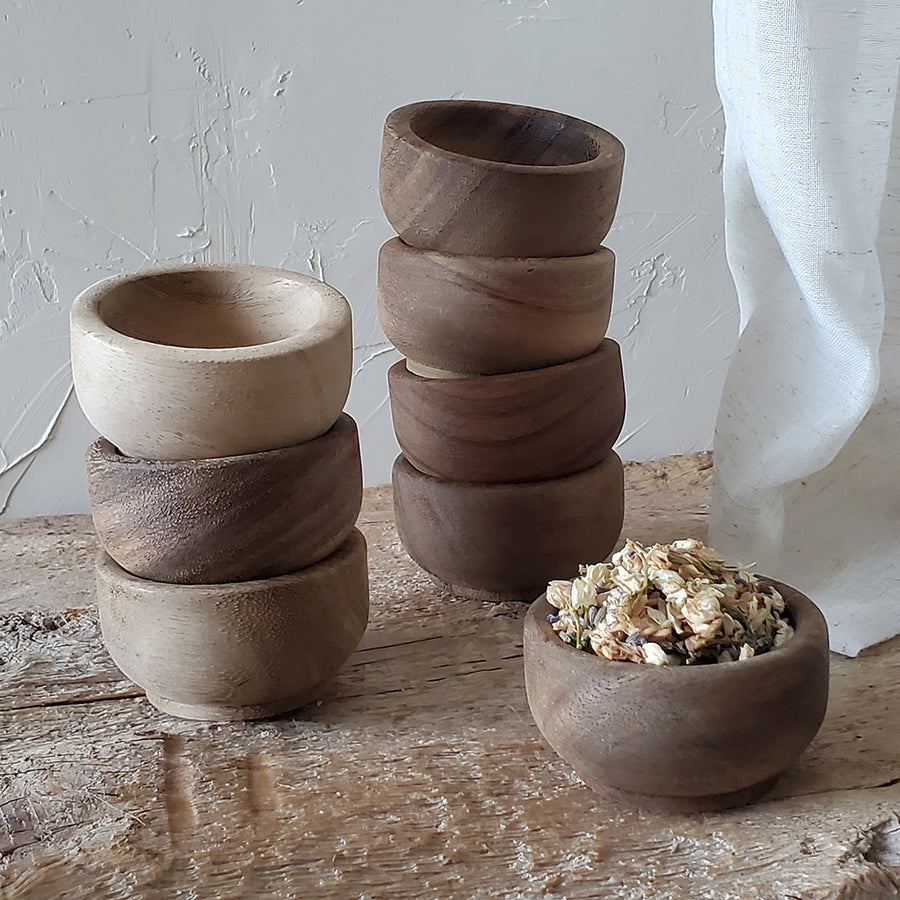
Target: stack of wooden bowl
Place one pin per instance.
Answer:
(226, 484)
(498, 292)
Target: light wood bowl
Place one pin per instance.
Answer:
(235, 518)
(506, 541)
(687, 738)
(523, 426)
(209, 361)
(479, 315)
(236, 651)
(496, 179)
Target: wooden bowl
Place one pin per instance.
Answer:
(236, 651)
(524, 426)
(495, 179)
(234, 518)
(687, 738)
(478, 315)
(506, 541)
(209, 361)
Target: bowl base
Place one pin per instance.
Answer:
(483, 594)
(223, 712)
(699, 804)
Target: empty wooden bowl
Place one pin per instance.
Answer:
(495, 179)
(236, 651)
(506, 541)
(686, 738)
(209, 361)
(523, 426)
(478, 315)
(234, 518)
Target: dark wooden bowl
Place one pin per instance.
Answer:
(506, 541)
(236, 651)
(524, 426)
(687, 738)
(479, 315)
(495, 179)
(230, 519)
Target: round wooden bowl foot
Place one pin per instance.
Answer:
(688, 805)
(216, 712)
(482, 595)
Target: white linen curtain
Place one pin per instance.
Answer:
(807, 445)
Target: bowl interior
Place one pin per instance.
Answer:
(522, 136)
(211, 308)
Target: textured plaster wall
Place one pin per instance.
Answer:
(135, 134)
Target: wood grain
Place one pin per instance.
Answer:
(234, 518)
(235, 651)
(506, 541)
(478, 315)
(495, 179)
(523, 426)
(421, 774)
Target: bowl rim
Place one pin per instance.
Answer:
(506, 266)
(807, 619)
(84, 317)
(145, 590)
(526, 377)
(104, 451)
(399, 123)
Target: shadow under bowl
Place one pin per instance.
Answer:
(685, 738)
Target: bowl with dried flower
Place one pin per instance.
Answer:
(674, 681)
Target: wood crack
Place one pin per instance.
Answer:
(76, 701)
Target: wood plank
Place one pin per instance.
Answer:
(419, 773)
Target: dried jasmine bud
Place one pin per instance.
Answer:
(669, 604)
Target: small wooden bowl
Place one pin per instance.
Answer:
(236, 651)
(477, 315)
(506, 541)
(208, 361)
(236, 518)
(687, 738)
(495, 179)
(524, 426)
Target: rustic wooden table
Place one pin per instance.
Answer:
(419, 774)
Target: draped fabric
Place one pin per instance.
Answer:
(807, 445)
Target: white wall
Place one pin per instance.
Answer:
(134, 134)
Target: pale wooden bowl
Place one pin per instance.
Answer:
(497, 179)
(480, 315)
(236, 651)
(687, 738)
(235, 518)
(506, 541)
(521, 426)
(210, 361)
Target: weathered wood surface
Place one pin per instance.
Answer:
(420, 774)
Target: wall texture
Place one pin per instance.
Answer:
(136, 134)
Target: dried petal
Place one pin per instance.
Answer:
(558, 593)
(654, 654)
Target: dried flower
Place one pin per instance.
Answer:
(669, 604)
